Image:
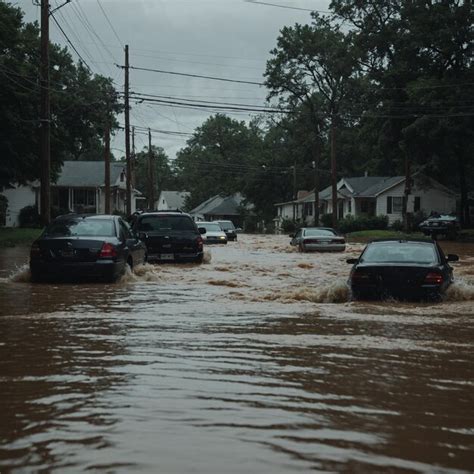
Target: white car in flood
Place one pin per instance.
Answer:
(321, 239)
(214, 233)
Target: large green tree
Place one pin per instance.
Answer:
(316, 66)
(81, 103)
(217, 159)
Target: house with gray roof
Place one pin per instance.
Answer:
(171, 200)
(80, 187)
(221, 208)
(372, 196)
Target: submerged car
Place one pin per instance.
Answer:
(85, 246)
(229, 229)
(170, 236)
(318, 239)
(440, 224)
(403, 269)
(214, 233)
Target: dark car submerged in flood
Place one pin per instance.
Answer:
(403, 269)
(85, 247)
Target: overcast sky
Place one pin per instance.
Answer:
(224, 38)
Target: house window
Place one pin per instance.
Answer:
(364, 207)
(308, 208)
(394, 204)
(417, 204)
(349, 206)
(84, 197)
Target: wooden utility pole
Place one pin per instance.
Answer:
(151, 175)
(316, 183)
(127, 136)
(333, 172)
(45, 115)
(406, 213)
(107, 166)
(134, 161)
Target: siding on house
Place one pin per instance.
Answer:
(431, 199)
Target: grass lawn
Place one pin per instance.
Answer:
(366, 235)
(12, 236)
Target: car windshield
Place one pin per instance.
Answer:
(393, 252)
(211, 227)
(226, 225)
(82, 228)
(319, 233)
(165, 222)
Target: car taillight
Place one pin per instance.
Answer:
(199, 242)
(433, 278)
(338, 241)
(107, 251)
(35, 250)
(359, 276)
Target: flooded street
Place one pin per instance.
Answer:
(255, 361)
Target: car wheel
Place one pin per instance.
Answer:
(199, 259)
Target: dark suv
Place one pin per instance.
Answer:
(169, 236)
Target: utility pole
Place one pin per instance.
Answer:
(107, 165)
(406, 213)
(45, 115)
(127, 135)
(333, 172)
(316, 182)
(151, 175)
(134, 160)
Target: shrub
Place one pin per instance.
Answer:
(29, 217)
(397, 225)
(326, 220)
(353, 224)
(288, 225)
(3, 209)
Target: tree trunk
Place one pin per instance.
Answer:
(316, 182)
(465, 217)
(407, 215)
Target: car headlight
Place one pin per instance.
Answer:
(222, 237)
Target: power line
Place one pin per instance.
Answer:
(255, 2)
(110, 24)
(193, 75)
(70, 43)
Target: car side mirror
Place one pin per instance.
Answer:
(142, 235)
(451, 257)
(292, 236)
(202, 230)
(352, 261)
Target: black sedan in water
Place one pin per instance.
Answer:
(85, 246)
(403, 269)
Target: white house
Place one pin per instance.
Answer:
(80, 187)
(171, 200)
(371, 196)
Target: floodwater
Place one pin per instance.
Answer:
(254, 362)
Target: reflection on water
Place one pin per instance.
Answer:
(255, 362)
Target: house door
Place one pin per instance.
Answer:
(340, 209)
(63, 199)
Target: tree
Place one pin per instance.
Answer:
(217, 159)
(418, 59)
(316, 65)
(81, 103)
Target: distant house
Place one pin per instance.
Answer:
(221, 208)
(80, 187)
(171, 200)
(371, 196)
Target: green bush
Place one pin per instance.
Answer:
(353, 224)
(326, 220)
(397, 225)
(3, 209)
(288, 225)
(29, 217)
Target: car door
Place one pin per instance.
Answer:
(297, 238)
(135, 246)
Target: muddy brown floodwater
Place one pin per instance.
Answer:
(254, 362)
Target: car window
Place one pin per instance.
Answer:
(211, 227)
(83, 227)
(226, 225)
(125, 229)
(165, 223)
(319, 233)
(393, 252)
